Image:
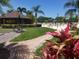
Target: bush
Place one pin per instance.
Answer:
(8, 25)
(4, 53)
(32, 25)
(77, 32)
(21, 25)
(38, 51)
(1, 45)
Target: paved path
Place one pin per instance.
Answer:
(8, 36)
(35, 43)
(1, 34)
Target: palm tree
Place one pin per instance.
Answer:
(70, 3)
(70, 13)
(10, 10)
(36, 10)
(4, 3)
(73, 4)
(29, 14)
(21, 11)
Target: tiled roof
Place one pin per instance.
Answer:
(13, 14)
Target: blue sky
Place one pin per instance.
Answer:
(50, 7)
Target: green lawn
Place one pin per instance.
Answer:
(31, 33)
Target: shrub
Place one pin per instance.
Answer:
(32, 25)
(21, 25)
(4, 53)
(68, 47)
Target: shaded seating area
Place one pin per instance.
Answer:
(15, 20)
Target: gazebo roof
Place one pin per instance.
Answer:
(13, 14)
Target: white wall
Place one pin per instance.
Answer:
(56, 25)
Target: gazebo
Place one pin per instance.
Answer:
(13, 18)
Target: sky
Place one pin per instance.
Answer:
(51, 8)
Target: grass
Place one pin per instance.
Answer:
(38, 50)
(5, 30)
(31, 33)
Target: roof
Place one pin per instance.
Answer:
(13, 14)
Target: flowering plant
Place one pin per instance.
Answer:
(68, 47)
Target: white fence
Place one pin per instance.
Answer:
(57, 25)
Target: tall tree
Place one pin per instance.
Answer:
(60, 19)
(36, 10)
(70, 5)
(30, 15)
(10, 10)
(70, 13)
(73, 6)
(4, 3)
(21, 11)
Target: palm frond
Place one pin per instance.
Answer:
(19, 9)
(70, 11)
(69, 4)
(36, 8)
(9, 5)
(1, 11)
(24, 10)
(5, 3)
(10, 10)
(40, 11)
(77, 3)
(29, 12)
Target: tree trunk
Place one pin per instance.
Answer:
(35, 18)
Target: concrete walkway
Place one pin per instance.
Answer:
(8, 36)
(33, 44)
(36, 42)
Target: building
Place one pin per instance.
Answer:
(14, 18)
